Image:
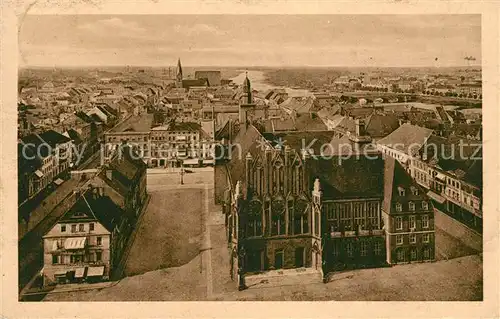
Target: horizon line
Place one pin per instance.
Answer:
(243, 66)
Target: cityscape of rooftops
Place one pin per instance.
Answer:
(250, 157)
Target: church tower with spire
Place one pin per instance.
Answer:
(246, 105)
(178, 78)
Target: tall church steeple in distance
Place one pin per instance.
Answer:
(178, 76)
(179, 70)
(247, 88)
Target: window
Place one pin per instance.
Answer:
(399, 223)
(413, 223)
(73, 228)
(378, 248)
(411, 206)
(413, 238)
(425, 238)
(55, 259)
(335, 249)
(401, 191)
(99, 241)
(98, 255)
(279, 257)
(425, 221)
(348, 249)
(427, 253)
(63, 228)
(399, 240)
(425, 205)
(81, 227)
(91, 226)
(401, 255)
(413, 254)
(399, 207)
(362, 248)
(414, 190)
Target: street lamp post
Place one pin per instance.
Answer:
(241, 271)
(182, 174)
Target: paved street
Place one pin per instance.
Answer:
(30, 246)
(180, 253)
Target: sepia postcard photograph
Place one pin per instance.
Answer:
(250, 157)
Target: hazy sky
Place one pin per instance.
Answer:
(250, 40)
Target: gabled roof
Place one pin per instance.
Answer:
(53, 138)
(396, 178)
(125, 167)
(407, 138)
(184, 126)
(27, 161)
(74, 136)
(35, 142)
(249, 142)
(459, 157)
(360, 112)
(378, 125)
(300, 104)
(299, 140)
(342, 178)
(309, 122)
(91, 207)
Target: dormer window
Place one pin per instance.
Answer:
(411, 206)
(401, 191)
(414, 190)
(399, 207)
(425, 205)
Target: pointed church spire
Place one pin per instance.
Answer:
(179, 70)
(247, 88)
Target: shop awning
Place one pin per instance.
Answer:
(190, 162)
(95, 271)
(436, 197)
(80, 272)
(38, 173)
(60, 273)
(208, 161)
(75, 243)
(58, 181)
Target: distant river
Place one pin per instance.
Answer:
(258, 82)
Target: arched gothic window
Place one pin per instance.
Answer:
(278, 226)
(254, 223)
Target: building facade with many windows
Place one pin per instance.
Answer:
(409, 218)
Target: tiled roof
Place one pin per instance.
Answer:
(360, 112)
(309, 122)
(53, 138)
(184, 126)
(299, 140)
(92, 207)
(300, 104)
(395, 177)
(74, 136)
(125, 169)
(36, 142)
(346, 125)
(27, 162)
(407, 138)
(349, 178)
(248, 141)
(378, 125)
(457, 156)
